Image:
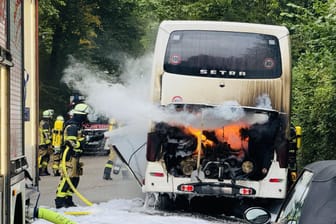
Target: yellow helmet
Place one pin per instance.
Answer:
(81, 108)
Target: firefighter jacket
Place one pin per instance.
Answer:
(45, 132)
(73, 136)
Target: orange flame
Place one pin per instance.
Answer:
(229, 134)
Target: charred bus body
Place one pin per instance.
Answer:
(234, 80)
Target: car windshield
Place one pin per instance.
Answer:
(291, 209)
(96, 118)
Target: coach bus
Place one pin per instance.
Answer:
(234, 81)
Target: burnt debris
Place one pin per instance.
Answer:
(177, 147)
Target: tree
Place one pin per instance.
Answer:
(314, 95)
(97, 32)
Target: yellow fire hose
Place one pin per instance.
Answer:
(66, 175)
(77, 213)
(51, 216)
(54, 217)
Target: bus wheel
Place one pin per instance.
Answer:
(164, 202)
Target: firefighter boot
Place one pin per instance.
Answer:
(60, 202)
(108, 170)
(69, 202)
(107, 177)
(56, 172)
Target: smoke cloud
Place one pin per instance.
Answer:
(127, 99)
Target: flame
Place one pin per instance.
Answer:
(229, 134)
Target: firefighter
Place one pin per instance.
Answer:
(73, 140)
(45, 147)
(57, 135)
(112, 156)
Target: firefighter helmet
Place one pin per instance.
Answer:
(81, 108)
(51, 111)
(48, 113)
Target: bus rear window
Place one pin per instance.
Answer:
(223, 54)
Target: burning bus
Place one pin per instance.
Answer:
(228, 85)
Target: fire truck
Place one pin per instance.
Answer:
(19, 115)
(18, 109)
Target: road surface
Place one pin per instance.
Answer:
(128, 209)
(92, 186)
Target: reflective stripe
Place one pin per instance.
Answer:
(108, 166)
(70, 138)
(59, 192)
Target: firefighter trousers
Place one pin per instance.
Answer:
(44, 153)
(74, 169)
(56, 158)
(109, 164)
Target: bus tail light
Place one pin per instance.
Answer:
(187, 188)
(275, 180)
(245, 191)
(157, 174)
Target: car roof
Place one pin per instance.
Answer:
(322, 170)
(320, 203)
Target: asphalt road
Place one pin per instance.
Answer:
(95, 189)
(92, 186)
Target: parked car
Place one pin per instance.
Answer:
(311, 200)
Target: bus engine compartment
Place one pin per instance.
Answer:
(238, 150)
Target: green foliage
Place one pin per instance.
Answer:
(314, 99)
(258, 11)
(314, 72)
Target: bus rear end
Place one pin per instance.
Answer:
(235, 80)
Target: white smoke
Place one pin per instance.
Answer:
(264, 102)
(128, 101)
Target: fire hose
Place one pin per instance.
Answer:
(51, 216)
(54, 217)
(68, 180)
(46, 214)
